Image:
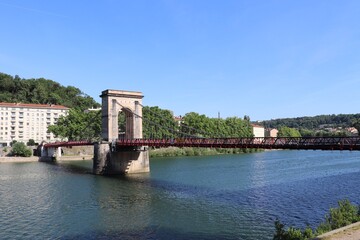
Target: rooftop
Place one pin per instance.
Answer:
(31, 105)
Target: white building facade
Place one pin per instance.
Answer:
(258, 131)
(22, 122)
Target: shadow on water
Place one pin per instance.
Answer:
(75, 167)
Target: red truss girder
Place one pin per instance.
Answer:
(68, 144)
(315, 143)
(321, 143)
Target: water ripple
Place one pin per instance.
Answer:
(226, 197)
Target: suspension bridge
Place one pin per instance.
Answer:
(128, 153)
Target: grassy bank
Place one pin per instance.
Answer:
(188, 151)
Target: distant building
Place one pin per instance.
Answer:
(179, 120)
(258, 131)
(271, 132)
(21, 122)
(352, 130)
(92, 110)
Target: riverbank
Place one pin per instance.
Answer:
(350, 232)
(18, 159)
(189, 151)
(36, 159)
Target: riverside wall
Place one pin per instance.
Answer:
(75, 153)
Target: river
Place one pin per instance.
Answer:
(212, 197)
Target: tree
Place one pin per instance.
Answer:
(288, 132)
(314, 123)
(202, 126)
(31, 142)
(19, 149)
(158, 123)
(42, 91)
(78, 125)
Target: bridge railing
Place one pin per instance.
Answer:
(324, 143)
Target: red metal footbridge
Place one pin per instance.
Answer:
(296, 143)
(189, 137)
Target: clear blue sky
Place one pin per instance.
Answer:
(266, 59)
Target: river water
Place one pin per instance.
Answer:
(216, 197)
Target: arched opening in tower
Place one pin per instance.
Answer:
(125, 124)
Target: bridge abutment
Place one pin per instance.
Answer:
(109, 161)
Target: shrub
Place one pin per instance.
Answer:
(31, 142)
(341, 216)
(291, 233)
(13, 142)
(19, 149)
(345, 214)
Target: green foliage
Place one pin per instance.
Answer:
(320, 126)
(158, 123)
(288, 132)
(5, 149)
(19, 149)
(31, 142)
(291, 233)
(345, 214)
(189, 151)
(202, 126)
(13, 142)
(78, 125)
(42, 91)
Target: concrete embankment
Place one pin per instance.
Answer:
(18, 159)
(36, 159)
(350, 232)
(75, 158)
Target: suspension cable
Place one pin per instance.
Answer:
(92, 121)
(156, 124)
(185, 126)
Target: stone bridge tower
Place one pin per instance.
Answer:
(109, 159)
(115, 101)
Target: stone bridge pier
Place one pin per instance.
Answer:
(108, 158)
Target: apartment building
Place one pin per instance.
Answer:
(21, 122)
(258, 131)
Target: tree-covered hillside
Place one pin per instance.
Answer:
(313, 123)
(42, 91)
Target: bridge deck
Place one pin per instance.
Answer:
(315, 143)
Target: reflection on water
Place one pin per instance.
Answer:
(217, 197)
